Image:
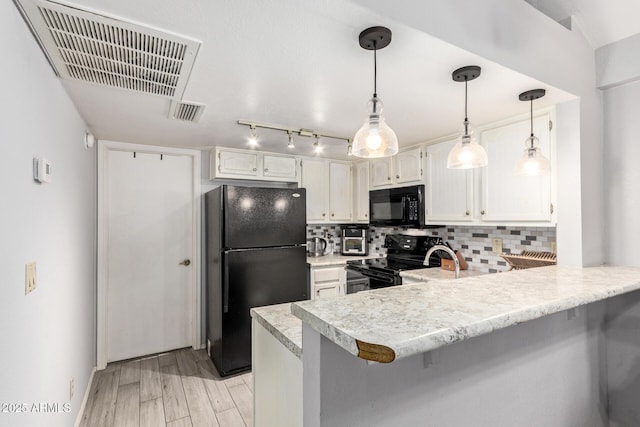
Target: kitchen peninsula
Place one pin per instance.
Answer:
(548, 346)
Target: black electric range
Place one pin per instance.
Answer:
(404, 252)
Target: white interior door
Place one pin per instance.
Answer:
(149, 223)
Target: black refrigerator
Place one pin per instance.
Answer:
(256, 256)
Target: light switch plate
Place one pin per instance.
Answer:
(496, 245)
(29, 277)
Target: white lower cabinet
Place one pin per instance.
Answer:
(277, 381)
(450, 191)
(328, 281)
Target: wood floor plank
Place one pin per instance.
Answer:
(234, 381)
(150, 386)
(167, 359)
(182, 422)
(101, 405)
(243, 399)
(186, 362)
(128, 406)
(152, 413)
(248, 380)
(230, 418)
(200, 354)
(130, 372)
(218, 394)
(200, 408)
(175, 403)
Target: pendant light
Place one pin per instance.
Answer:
(532, 162)
(290, 144)
(467, 153)
(253, 136)
(375, 138)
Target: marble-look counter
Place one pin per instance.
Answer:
(283, 325)
(426, 274)
(397, 322)
(337, 259)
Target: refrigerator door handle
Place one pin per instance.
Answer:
(225, 283)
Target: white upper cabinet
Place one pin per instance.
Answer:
(279, 166)
(408, 166)
(506, 196)
(361, 190)
(329, 190)
(449, 191)
(340, 200)
(237, 163)
(255, 165)
(381, 172)
(405, 168)
(314, 179)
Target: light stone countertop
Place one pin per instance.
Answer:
(435, 273)
(337, 259)
(283, 325)
(392, 323)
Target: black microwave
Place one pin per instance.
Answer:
(397, 207)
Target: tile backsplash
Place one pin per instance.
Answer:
(474, 242)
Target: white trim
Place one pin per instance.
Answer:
(195, 323)
(85, 399)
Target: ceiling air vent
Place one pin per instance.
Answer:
(186, 111)
(88, 46)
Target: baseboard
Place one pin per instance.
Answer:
(85, 399)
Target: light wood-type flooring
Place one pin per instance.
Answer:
(177, 389)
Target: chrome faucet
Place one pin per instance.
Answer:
(447, 250)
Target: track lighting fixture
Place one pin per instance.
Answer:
(532, 162)
(467, 153)
(253, 138)
(375, 138)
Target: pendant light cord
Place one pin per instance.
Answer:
(466, 119)
(375, 71)
(531, 116)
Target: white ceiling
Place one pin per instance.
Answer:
(298, 64)
(601, 21)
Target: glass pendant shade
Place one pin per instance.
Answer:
(375, 138)
(532, 162)
(467, 153)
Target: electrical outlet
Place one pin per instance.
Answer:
(29, 277)
(496, 245)
(553, 247)
(72, 387)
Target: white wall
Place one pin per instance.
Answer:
(48, 336)
(622, 181)
(514, 34)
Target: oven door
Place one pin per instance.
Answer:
(377, 279)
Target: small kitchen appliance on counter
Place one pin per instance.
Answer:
(316, 246)
(354, 240)
(404, 252)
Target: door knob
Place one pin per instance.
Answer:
(186, 262)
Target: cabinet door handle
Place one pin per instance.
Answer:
(397, 176)
(365, 215)
(467, 213)
(333, 215)
(388, 178)
(318, 292)
(266, 170)
(324, 214)
(254, 169)
(482, 212)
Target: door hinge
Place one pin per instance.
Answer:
(550, 125)
(300, 163)
(551, 208)
(420, 171)
(420, 153)
(219, 153)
